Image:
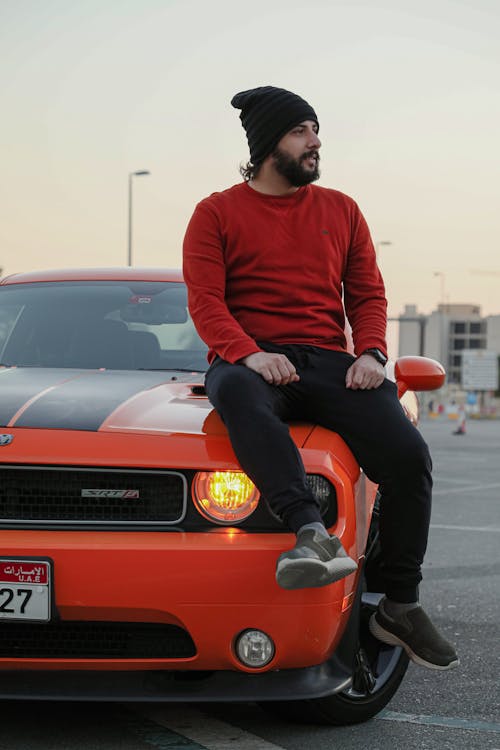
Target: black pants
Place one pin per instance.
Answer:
(387, 446)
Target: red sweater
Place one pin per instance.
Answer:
(267, 268)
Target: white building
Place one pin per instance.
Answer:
(446, 332)
(493, 333)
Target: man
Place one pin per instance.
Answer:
(270, 264)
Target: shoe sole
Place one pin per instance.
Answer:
(306, 574)
(381, 634)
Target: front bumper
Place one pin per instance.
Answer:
(214, 585)
(173, 686)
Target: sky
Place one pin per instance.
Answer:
(407, 95)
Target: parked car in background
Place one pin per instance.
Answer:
(137, 561)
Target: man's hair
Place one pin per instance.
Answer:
(249, 171)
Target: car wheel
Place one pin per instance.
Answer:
(378, 668)
(377, 674)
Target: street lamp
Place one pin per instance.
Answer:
(381, 244)
(140, 173)
(441, 274)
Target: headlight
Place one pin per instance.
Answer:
(323, 491)
(226, 497)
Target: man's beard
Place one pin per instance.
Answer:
(293, 169)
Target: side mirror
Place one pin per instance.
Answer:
(418, 374)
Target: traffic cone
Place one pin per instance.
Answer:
(461, 426)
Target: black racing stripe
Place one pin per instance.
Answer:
(85, 403)
(19, 384)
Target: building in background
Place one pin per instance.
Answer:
(493, 333)
(467, 344)
(446, 332)
(412, 327)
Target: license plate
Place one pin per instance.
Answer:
(25, 589)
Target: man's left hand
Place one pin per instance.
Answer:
(365, 373)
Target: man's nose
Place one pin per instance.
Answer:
(314, 141)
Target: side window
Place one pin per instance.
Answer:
(9, 316)
(170, 336)
(179, 336)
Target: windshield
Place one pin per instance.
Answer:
(117, 325)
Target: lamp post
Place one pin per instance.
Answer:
(441, 274)
(140, 173)
(382, 243)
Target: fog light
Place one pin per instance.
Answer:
(254, 648)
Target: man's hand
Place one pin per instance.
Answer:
(365, 373)
(276, 369)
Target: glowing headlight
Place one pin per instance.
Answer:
(226, 497)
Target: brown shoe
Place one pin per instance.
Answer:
(414, 631)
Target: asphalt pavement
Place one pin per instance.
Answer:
(456, 710)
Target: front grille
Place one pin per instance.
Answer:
(94, 640)
(91, 496)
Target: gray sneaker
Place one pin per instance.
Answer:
(414, 631)
(314, 561)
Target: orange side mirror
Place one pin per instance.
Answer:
(418, 374)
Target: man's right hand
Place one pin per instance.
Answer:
(276, 369)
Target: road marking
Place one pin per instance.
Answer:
(185, 728)
(451, 459)
(450, 722)
(162, 739)
(467, 489)
(202, 729)
(447, 527)
(452, 480)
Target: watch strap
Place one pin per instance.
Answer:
(376, 354)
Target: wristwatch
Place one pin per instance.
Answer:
(376, 354)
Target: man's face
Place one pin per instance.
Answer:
(296, 157)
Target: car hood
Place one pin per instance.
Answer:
(98, 399)
(144, 402)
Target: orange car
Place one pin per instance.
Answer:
(137, 561)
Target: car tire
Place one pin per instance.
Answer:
(379, 668)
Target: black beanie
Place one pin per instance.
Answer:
(267, 113)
